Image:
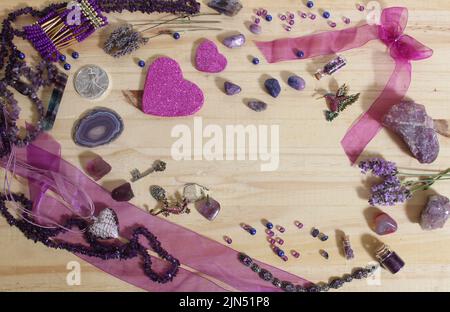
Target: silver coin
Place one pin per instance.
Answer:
(91, 82)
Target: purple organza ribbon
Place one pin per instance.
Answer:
(211, 265)
(403, 49)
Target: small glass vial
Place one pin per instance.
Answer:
(389, 259)
(331, 67)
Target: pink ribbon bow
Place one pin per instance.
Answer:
(403, 49)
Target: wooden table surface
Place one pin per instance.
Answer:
(314, 182)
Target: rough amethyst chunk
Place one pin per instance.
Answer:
(436, 213)
(123, 193)
(411, 122)
(97, 168)
(227, 7)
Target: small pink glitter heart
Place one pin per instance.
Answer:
(167, 93)
(208, 59)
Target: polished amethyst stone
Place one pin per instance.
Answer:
(436, 213)
(98, 127)
(255, 29)
(97, 168)
(257, 106)
(416, 128)
(384, 224)
(123, 193)
(231, 88)
(208, 208)
(296, 82)
(235, 41)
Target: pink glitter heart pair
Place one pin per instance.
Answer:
(168, 94)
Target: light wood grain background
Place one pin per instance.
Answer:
(314, 183)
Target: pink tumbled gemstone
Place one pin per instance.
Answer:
(97, 168)
(384, 224)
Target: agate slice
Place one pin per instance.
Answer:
(98, 127)
(411, 122)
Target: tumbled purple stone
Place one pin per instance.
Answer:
(296, 82)
(227, 7)
(123, 193)
(255, 28)
(384, 224)
(208, 208)
(235, 41)
(416, 128)
(257, 106)
(98, 127)
(97, 168)
(231, 88)
(436, 213)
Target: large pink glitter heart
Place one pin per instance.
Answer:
(167, 93)
(208, 59)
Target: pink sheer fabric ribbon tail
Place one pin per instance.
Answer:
(403, 49)
(207, 265)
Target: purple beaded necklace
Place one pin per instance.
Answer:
(105, 251)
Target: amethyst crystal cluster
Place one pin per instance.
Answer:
(435, 213)
(416, 128)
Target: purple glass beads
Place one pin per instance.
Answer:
(346, 20)
(332, 24)
(283, 17)
(303, 14)
(251, 230)
(270, 233)
(97, 168)
(360, 7)
(228, 240)
(298, 224)
(295, 254)
(279, 241)
(271, 240)
(312, 16)
(281, 229)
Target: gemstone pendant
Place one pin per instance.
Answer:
(208, 208)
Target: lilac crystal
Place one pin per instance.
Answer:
(255, 29)
(231, 88)
(227, 7)
(436, 213)
(208, 208)
(97, 168)
(257, 106)
(411, 122)
(98, 127)
(235, 41)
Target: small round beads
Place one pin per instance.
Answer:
(269, 18)
(315, 232)
(228, 240)
(269, 225)
(67, 66)
(295, 253)
(75, 55)
(323, 237)
(288, 28)
(332, 24)
(291, 16)
(281, 229)
(279, 241)
(270, 233)
(303, 15)
(21, 55)
(326, 14)
(291, 22)
(312, 16)
(285, 258)
(257, 20)
(249, 229)
(310, 4)
(298, 224)
(255, 60)
(279, 251)
(62, 58)
(347, 20)
(300, 54)
(264, 12)
(176, 35)
(360, 7)
(141, 63)
(283, 17)
(271, 241)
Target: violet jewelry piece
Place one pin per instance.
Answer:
(339, 101)
(105, 226)
(167, 208)
(358, 273)
(158, 166)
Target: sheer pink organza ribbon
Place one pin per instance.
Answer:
(202, 255)
(403, 49)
